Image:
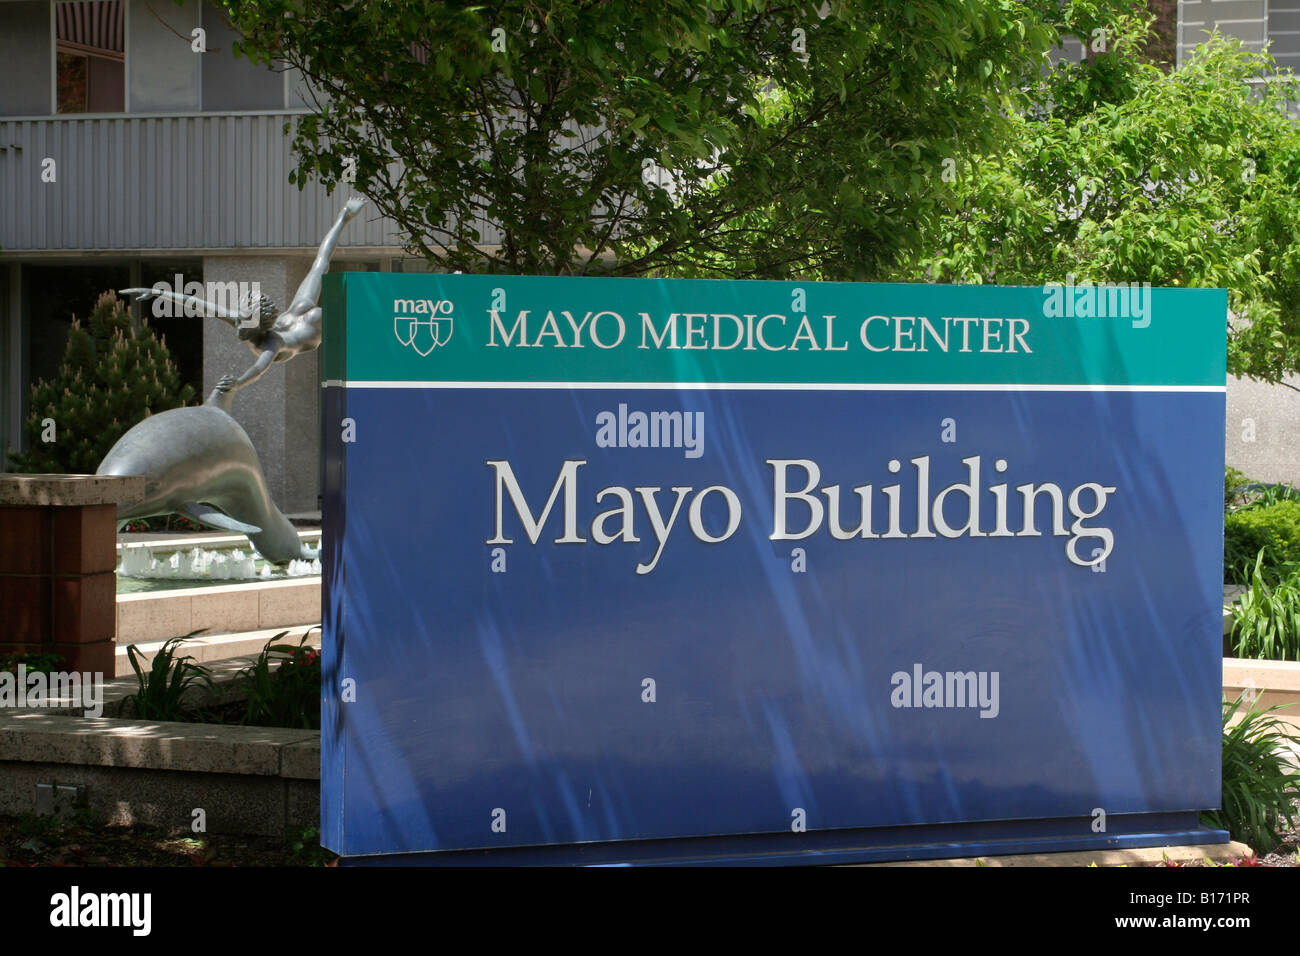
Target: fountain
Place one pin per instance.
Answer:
(199, 461)
(199, 564)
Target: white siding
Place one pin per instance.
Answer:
(211, 181)
(1244, 19)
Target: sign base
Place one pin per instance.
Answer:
(873, 845)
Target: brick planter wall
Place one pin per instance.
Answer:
(58, 593)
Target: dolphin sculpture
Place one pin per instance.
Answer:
(198, 461)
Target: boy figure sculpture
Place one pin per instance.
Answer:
(275, 336)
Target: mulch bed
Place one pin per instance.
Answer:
(43, 841)
(1287, 853)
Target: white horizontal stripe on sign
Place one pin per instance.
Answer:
(791, 386)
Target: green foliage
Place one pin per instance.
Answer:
(1267, 531)
(1257, 494)
(305, 848)
(1123, 173)
(547, 118)
(287, 695)
(283, 685)
(1266, 620)
(162, 689)
(1259, 781)
(37, 663)
(1233, 480)
(112, 377)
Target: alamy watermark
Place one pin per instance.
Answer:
(946, 689)
(1098, 300)
(75, 908)
(56, 689)
(233, 297)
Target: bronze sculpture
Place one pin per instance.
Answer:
(274, 337)
(199, 461)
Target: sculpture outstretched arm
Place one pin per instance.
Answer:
(252, 375)
(309, 292)
(229, 384)
(236, 319)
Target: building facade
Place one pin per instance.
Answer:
(136, 147)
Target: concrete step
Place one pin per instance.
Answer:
(207, 648)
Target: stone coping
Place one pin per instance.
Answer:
(68, 490)
(1279, 674)
(211, 649)
(1276, 682)
(234, 587)
(31, 737)
(164, 540)
(61, 735)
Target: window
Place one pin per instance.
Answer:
(91, 56)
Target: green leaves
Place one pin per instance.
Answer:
(1266, 619)
(283, 686)
(462, 137)
(1267, 530)
(1259, 780)
(1117, 171)
(163, 688)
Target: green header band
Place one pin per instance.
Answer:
(472, 329)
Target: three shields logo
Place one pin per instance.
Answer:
(430, 325)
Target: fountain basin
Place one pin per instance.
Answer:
(159, 615)
(210, 560)
(157, 609)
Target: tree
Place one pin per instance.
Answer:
(113, 376)
(1123, 173)
(728, 137)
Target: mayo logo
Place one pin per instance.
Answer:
(423, 324)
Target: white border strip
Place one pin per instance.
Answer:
(788, 386)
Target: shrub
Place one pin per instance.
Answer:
(1258, 779)
(1266, 621)
(305, 848)
(113, 375)
(1257, 494)
(288, 695)
(37, 663)
(162, 689)
(1270, 529)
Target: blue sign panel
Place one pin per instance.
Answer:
(760, 619)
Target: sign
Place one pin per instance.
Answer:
(662, 570)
